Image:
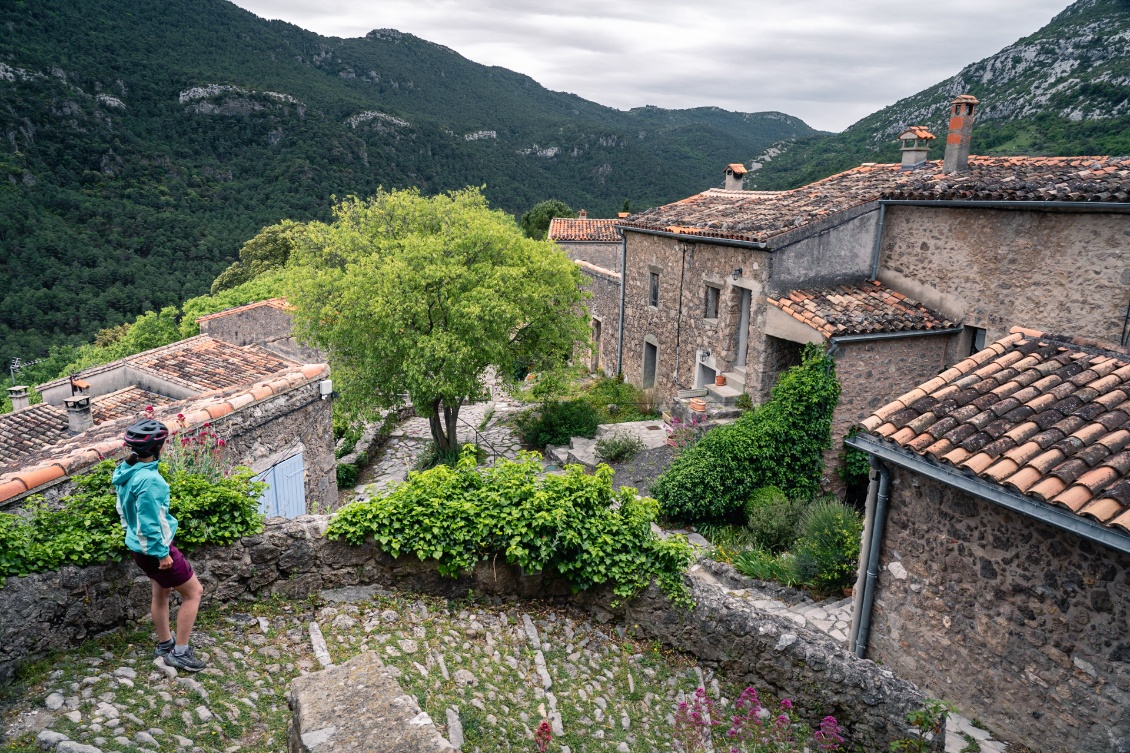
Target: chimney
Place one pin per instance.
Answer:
(735, 173)
(79, 418)
(19, 397)
(582, 215)
(961, 131)
(915, 146)
(622, 215)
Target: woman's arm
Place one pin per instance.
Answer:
(153, 532)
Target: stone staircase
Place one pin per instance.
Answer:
(727, 394)
(582, 451)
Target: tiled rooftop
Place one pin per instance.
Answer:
(204, 363)
(1043, 415)
(276, 303)
(25, 432)
(583, 231)
(755, 217)
(866, 307)
(737, 168)
(70, 455)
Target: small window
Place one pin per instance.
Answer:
(977, 341)
(711, 309)
(653, 291)
(650, 359)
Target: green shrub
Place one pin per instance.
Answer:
(855, 465)
(573, 524)
(773, 518)
(618, 401)
(827, 551)
(780, 444)
(84, 528)
(431, 456)
(762, 565)
(346, 475)
(618, 447)
(556, 422)
(744, 402)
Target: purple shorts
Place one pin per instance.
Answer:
(177, 575)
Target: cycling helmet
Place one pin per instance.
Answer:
(146, 436)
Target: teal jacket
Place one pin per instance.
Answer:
(143, 506)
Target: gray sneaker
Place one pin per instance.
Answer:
(164, 648)
(186, 661)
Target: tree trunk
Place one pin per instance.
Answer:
(444, 425)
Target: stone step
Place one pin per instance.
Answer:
(583, 452)
(725, 395)
(559, 455)
(736, 380)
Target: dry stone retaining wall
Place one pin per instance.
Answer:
(293, 558)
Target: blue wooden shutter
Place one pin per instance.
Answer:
(290, 480)
(268, 502)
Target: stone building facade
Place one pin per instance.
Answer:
(1021, 624)
(265, 323)
(999, 531)
(1062, 268)
(604, 313)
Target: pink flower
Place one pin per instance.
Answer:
(786, 704)
(180, 416)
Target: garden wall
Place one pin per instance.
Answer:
(292, 558)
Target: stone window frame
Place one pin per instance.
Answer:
(653, 341)
(595, 321)
(716, 288)
(653, 286)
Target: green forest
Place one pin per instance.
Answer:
(145, 142)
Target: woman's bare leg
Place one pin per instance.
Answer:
(159, 608)
(190, 592)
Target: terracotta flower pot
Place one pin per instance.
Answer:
(849, 591)
(698, 405)
(720, 380)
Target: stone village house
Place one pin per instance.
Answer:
(996, 554)
(273, 412)
(903, 269)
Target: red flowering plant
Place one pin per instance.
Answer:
(199, 452)
(754, 728)
(543, 736)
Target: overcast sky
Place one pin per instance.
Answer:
(829, 62)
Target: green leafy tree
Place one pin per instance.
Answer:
(535, 223)
(268, 250)
(421, 296)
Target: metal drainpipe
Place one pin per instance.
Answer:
(623, 282)
(881, 497)
(865, 549)
(878, 242)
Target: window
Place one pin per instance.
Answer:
(650, 359)
(977, 340)
(711, 310)
(653, 291)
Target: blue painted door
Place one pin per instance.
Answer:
(285, 495)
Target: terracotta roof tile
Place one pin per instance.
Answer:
(1045, 415)
(205, 363)
(583, 231)
(862, 308)
(745, 216)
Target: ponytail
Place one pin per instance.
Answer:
(132, 459)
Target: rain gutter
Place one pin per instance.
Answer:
(869, 336)
(692, 238)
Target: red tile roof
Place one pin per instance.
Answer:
(583, 231)
(205, 363)
(737, 168)
(917, 132)
(74, 455)
(25, 432)
(857, 309)
(730, 214)
(276, 303)
(1043, 415)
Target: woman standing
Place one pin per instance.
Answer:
(143, 505)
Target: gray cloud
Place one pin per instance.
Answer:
(827, 61)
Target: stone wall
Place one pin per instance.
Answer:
(293, 558)
(261, 325)
(831, 251)
(1056, 272)
(604, 306)
(1019, 624)
(606, 255)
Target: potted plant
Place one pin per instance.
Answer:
(720, 380)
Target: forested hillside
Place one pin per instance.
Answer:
(145, 142)
(1064, 90)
